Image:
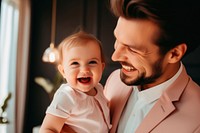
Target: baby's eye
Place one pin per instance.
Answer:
(93, 62)
(74, 63)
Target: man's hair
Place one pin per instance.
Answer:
(178, 20)
(79, 38)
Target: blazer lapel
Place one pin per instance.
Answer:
(117, 93)
(118, 103)
(164, 106)
(160, 111)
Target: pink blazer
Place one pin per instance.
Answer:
(176, 111)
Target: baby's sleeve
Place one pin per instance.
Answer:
(63, 102)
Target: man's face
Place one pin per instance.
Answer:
(137, 52)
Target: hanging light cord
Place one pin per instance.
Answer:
(51, 54)
(53, 24)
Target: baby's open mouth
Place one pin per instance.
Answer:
(84, 79)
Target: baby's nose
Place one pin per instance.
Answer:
(85, 72)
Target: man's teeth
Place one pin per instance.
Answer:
(128, 68)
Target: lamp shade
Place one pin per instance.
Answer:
(50, 54)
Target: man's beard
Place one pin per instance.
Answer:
(141, 79)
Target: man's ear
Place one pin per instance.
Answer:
(61, 70)
(176, 54)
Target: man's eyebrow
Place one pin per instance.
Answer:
(132, 46)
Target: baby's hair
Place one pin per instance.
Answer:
(78, 39)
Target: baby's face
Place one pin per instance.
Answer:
(82, 66)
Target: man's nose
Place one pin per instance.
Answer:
(118, 53)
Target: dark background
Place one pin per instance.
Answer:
(94, 16)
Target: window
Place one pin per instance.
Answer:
(8, 52)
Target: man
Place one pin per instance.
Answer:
(152, 91)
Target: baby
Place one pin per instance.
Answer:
(80, 102)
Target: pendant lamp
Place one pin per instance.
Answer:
(51, 53)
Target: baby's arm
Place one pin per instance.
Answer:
(52, 124)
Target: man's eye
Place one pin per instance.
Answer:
(93, 62)
(132, 50)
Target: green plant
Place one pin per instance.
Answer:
(50, 86)
(4, 106)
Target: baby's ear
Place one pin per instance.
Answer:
(103, 65)
(61, 70)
